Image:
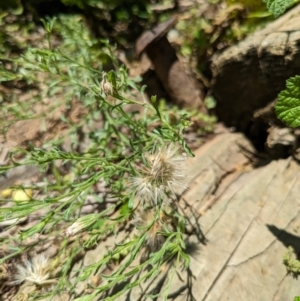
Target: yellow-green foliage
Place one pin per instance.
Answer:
(251, 5)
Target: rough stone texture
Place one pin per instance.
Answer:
(19, 174)
(250, 74)
(248, 231)
(248, 216)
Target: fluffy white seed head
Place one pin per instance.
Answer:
(35, 270)
(158, 179)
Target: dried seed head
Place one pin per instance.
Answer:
(148, 192)
(35, 271)
(154, 239)
(106, 87)
(158, 179)
(149, 219)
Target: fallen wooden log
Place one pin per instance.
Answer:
(249, 75)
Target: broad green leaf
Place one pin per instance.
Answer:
(297, 298)
(287, 107)
(278, 7)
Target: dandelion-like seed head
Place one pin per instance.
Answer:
(158, 179)
(146, 191)
(35, 271)
(167, 165)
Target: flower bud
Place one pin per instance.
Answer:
(106, 87)
(82, 223)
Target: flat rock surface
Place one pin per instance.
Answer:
(249, 217)
(248, 230)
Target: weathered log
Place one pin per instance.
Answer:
(249, 75)
(248, 232)
(249, 217)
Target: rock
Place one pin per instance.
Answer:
(248, 216)
(249, 75)
(280, 142)
(248, 231)
(19, 174)
(211, 173)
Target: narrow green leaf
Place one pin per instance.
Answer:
(7, 76)
(131, 201)
(86, 298)
(287, 107)
(155, 105)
